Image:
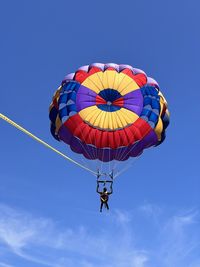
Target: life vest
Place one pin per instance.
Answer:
(104, 197)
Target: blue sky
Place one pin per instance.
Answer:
(49, 210)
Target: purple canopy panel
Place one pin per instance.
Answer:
(134, 101)
(138, 71)
(122, 153)
(84, 68)
(64, 134)
(89, 152)
(76, 145)
(68, 77)
(124, 66)
(105, 154)
(151, 81)
(85, 98)
(149, 140)
(98, 65)
(112, 65)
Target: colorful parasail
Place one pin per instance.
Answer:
(109, 112)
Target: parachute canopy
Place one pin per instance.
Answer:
(109, 112)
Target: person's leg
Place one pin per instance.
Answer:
(101, 206)
(106, 204)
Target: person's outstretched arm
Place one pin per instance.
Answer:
(98, 188)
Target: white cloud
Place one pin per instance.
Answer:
(150, 209)
(42, 241)
(122, 217)
(25, 235)
(5, 265)
(178, 240)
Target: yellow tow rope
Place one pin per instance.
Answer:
(3, 117)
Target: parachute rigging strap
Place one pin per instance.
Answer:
(3, 117)
(110, 175)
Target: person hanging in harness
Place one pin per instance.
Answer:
(104, 194)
